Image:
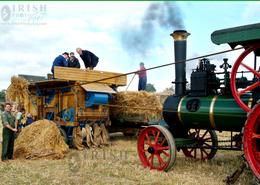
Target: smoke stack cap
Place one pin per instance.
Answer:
(180, 34)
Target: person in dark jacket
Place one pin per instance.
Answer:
(61, 61)
(90, 59)
(73, 61)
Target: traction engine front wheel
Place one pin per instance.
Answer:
(156, 148)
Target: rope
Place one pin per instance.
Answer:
(151, 68)
(162, 110)
(164, 65)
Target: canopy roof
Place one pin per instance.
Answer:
(242, 35)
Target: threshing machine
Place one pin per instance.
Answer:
(71, 103)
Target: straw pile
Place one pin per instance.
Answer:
(136, 107)
(41, 139)
(18, 91)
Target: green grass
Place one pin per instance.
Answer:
(119, 164)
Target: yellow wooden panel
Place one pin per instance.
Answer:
(67, 100)
(53, 102)
(80, 97)
(33, 109)
(76, 74)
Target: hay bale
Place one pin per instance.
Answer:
(41, 139)
(136, 106)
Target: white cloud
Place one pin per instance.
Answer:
(251, 11)
(96, 26)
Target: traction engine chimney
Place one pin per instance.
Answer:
(180, 37)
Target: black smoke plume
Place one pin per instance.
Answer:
(137, 40)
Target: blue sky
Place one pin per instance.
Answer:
(102, 27)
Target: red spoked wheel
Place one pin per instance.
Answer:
(206, 143)
(237, 94)
(156, 148)
(251, 140)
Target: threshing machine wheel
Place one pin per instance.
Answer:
(206, 144)
(156, 148)
(238, 63)
(251, 140)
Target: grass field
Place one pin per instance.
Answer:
(119, 164)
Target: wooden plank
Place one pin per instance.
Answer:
(76, 74)
(98, 87)
(75, 103)
(100, 111)
(93, 114)
(80, 97)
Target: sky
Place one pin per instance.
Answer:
(121, 34)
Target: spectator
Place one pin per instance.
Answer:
(19, 116)
(73, 61)
(1, 125)
(90, 59)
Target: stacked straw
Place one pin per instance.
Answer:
(41, 139)
(18, 91)
(137, 107)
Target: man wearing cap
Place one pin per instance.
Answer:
(142, 77)
(90, 59)
(8, 121)
(61, 61)
(73, 61)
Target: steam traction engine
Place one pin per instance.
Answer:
(216, 101)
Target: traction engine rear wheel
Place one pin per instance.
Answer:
(207, 143)
(251, 140)
(156, 148)
(239, 62)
